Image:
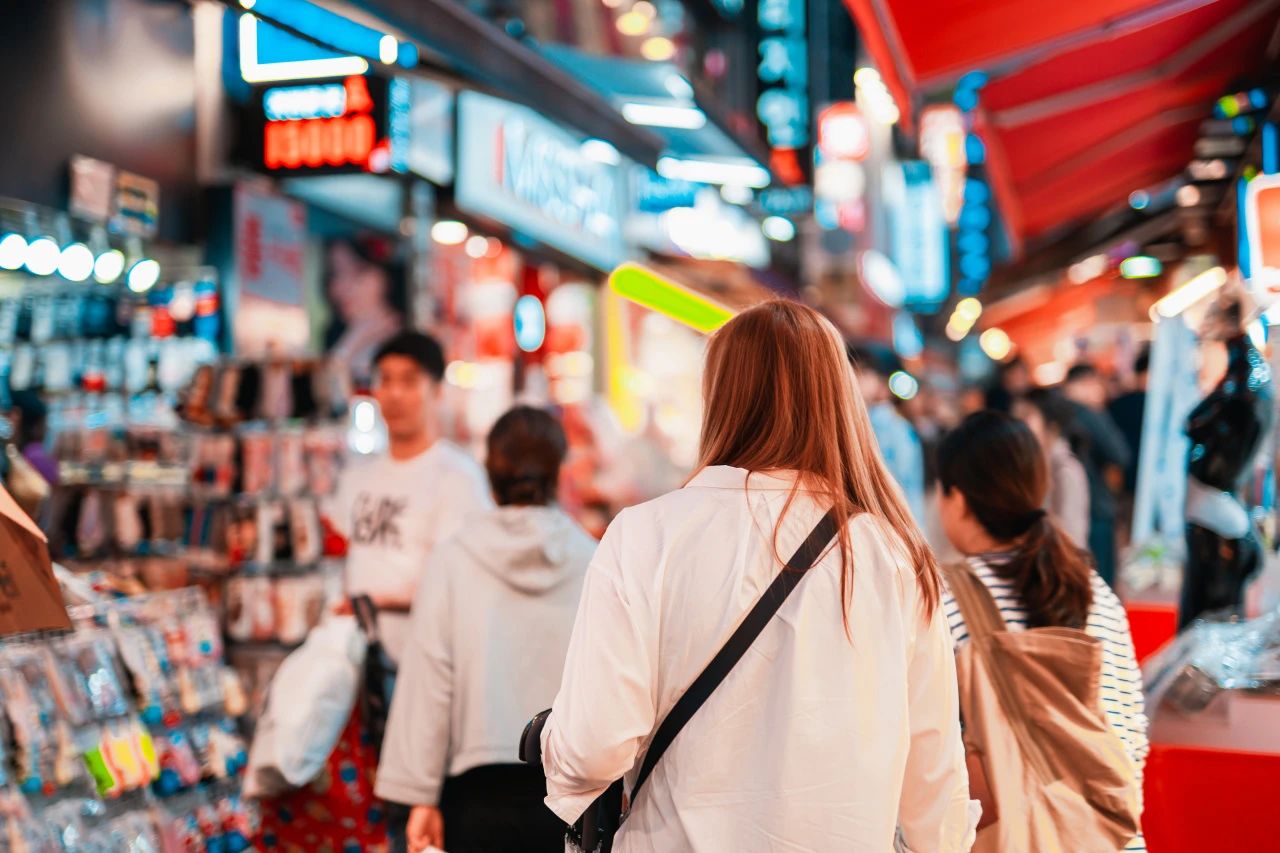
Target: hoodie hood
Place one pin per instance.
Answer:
(533, 549)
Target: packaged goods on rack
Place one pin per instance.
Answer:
(125, 733)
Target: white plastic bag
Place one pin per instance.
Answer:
(308, 706)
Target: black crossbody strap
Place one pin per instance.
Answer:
(761, 614)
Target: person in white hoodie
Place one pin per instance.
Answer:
(487, 640)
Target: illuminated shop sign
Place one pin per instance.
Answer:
(783, 72)
(530, 174)
(356, 124)
(314, 42)
(655, 194)
(918, 231)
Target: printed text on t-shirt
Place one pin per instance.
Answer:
(375, 519)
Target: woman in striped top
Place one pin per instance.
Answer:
(992, 479)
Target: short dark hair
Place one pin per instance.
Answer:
(1083, 370)
(525, 450)
(423, 350)
(1054, 408)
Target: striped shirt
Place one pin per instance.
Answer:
(1120, 685)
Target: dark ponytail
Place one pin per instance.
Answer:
(999, 467)
(525, 450)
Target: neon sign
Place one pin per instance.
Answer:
(333, 126)
(783, 73)
(290, 103)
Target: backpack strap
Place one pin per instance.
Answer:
(741, 639)
(979, 610)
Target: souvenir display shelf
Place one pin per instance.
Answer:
(122, 734)
(222, 491)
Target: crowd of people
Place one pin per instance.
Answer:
(838, 721)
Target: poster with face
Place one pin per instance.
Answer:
(366, 295)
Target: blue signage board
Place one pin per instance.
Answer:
(530, 174)
(656, 194)
(783, 72)
(920, 240)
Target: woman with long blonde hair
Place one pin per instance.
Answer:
(837, 729)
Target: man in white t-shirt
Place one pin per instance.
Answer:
(393, 510)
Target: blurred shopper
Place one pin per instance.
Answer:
(840, 722)
(1127, 410)
(1051, 420)
(899, 443)
(486, 650)
(1103, 448)
(395, 509)
(993, 481)
(1013, 379)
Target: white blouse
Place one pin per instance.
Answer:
(818, 740)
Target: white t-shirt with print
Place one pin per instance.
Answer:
(393, 513)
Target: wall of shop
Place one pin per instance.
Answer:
(110, 79)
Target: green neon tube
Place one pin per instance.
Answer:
(645, 287)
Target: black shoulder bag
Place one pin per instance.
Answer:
(595, 830)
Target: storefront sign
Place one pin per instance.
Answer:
(345, 125)
(312, 42)
(270, 312)
(785, 201)
(783, 72)
(430, 128)
(655, 194)
(1262, 227)
(530, 174)
(918, 233)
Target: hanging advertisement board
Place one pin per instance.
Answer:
(528, 173)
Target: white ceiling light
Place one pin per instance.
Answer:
(633, 23)
(657, 48)
(43, 255)
(449, 232)
(996, 344)
(969, 310)
(13, 251)
(143, 275)
(477, 246)
(76, 262)
(388, 49)
(739, 172)
(664, 115)
(108, 267)
(778, 228)
(874, 97)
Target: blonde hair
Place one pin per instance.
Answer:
(779, 395)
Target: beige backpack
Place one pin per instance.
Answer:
(1051, 774)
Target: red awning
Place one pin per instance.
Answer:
(1088, 100)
